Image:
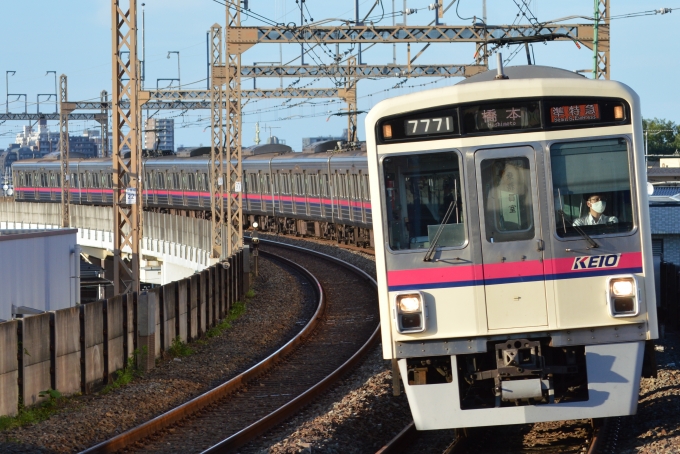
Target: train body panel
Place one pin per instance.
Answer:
(490, 246)
(289, 189)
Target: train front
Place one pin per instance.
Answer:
(513, 248)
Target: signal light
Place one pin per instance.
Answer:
(387, 131)
(618, 112)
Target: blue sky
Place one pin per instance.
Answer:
(73, 37)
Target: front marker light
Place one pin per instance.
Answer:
(409, 314)
(622, 287)
(409, 303)
(622, 296)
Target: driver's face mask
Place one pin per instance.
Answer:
(598, 206)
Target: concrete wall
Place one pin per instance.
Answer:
(67, 351)
(182, 306)
(93, 344)
(116, 322)
(9, 368)
(44, 351)
(35, 374)
(40, 274)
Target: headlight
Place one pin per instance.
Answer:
(408, 303)
(622, 296)
(408, 312)
(622, 287)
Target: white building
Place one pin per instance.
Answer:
(161, 130)
(40, 139)
(42, 273)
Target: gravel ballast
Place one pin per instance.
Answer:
(358, 416)
(268, 322)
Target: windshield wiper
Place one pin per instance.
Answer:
(445, 219)
(593, 244)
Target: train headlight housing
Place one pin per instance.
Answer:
(622, 296)
(409, 313)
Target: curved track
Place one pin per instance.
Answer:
(339, 335)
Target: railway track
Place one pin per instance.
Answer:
(341, 332)
(599, 437)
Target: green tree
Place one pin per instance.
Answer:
(662, 136)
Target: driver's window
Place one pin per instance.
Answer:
(591, 187)
(422, 192)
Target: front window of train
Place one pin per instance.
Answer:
(420, 191)
(591, 187)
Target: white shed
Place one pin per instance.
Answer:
(40, 272)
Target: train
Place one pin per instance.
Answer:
(513, 247)
(321, 191)
(509, 219)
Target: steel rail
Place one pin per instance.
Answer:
(291, 408)
(397, 444)
(193, 406)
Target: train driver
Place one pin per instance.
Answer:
(596, 203)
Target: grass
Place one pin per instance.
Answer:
(179, 348)
(127, 374)
(33, 414)
(237, 309)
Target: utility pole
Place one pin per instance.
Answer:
(233, 127)
(104, 123)
(217, 143)
(127, 184)
(601, 62)
(65, 109)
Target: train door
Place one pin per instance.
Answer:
(512, 247)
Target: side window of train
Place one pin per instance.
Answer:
(299, 188)
(286, 183)
(160, 180)
(324, 185)
(252, 183)
(508, 205)
(422, 192)
(266, 184)
(355, 186)
(344, 189)
(22, 179)
(591, 187)
(367, 188)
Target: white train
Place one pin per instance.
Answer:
(513, 247)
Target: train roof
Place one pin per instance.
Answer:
(524, 72)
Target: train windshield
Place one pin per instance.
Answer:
(419, 190)
(591, 187)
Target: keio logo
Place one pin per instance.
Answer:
(596, 261)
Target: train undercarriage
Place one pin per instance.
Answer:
(340, 233)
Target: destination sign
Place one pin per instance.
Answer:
(574, 112)
(501, 117)
(504, 116)
(435, 125)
